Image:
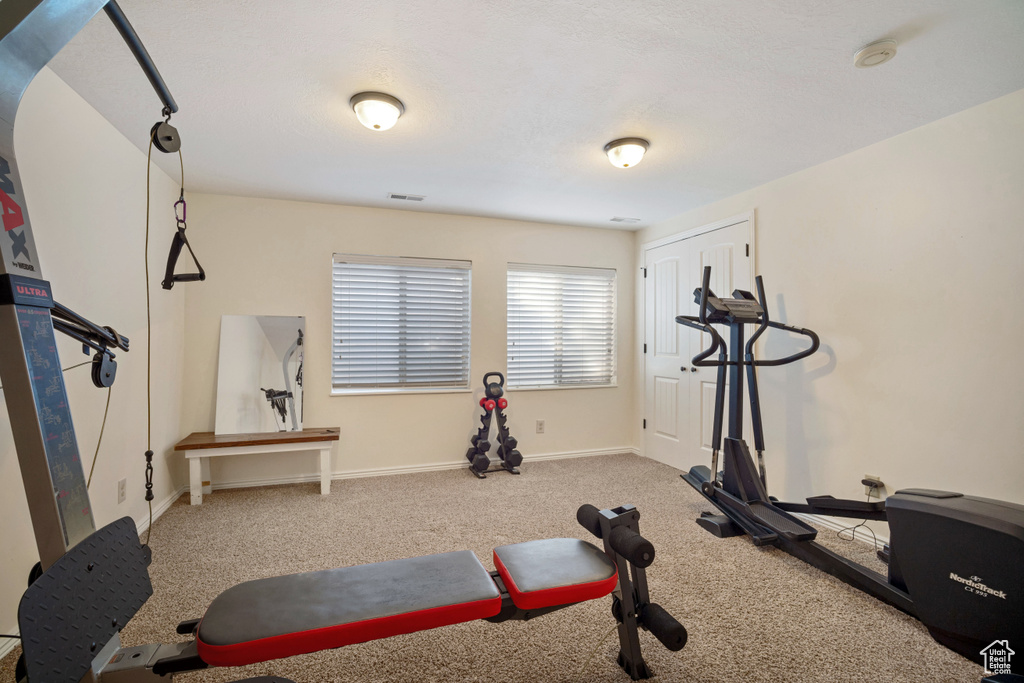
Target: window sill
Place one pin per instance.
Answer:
(377, 391)
(559, 387)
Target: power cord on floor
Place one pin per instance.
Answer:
(579, 677)
(853, 529)
(4, 635)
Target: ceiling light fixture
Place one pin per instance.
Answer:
(626, 152)
(377, 111)
(874, 54)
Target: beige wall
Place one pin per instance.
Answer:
(905, 257)
(85, 191)
(270, 257)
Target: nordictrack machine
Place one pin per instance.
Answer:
(509, 459)
(954, 562)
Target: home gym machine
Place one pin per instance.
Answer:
(94, 581)
(509, 459)
(955, 561)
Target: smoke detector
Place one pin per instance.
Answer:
(874, 54)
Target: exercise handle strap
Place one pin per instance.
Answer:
(178, 241)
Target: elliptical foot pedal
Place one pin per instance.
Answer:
(719, 525)
(780, 522)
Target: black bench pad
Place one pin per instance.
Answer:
(290, 615)
(554, 571)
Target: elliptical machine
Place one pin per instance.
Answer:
(955, 561)
(509, 459)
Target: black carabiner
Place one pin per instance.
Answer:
(184, 210)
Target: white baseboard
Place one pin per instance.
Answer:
(410, 469)
(6, 645)
(160, 508)
(582, 454)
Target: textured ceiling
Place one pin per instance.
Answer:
(508, 104)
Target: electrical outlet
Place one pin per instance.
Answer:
(872, 490)
(122, 491)
(540, 426)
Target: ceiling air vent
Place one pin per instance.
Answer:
(406, 197)
(620, 219)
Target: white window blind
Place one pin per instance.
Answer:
(400, 323)
(561, 326)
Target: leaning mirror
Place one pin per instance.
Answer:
(259, 378)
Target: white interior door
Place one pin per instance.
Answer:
(666, 390)
(725, 250)
(679, 400)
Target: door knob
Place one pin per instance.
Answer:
(683, 368)
(693, 369)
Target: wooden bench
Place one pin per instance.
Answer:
(199, 446)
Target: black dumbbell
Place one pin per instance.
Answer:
(513, 458)
(480, 463)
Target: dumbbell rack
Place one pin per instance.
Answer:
(509, 458)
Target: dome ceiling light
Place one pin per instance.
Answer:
(376, 110)
(626, 152)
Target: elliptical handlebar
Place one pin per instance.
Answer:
(705, 288)
(717, 342)
(764, 318)
(767, 322)
(815, 344)
(701, 323)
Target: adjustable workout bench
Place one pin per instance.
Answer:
(91, 592)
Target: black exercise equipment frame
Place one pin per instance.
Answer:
(113, 556)
(731, 495)
(930, 529)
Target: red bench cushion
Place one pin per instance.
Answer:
(554, 571)
(289, 615)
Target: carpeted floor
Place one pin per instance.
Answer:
(753, 614)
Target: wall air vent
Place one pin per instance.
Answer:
(620, 219)
(406, 197)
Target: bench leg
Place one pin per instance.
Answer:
(195, 480)
(325, 471)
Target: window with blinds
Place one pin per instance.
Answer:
(561, 326)
(400, 323)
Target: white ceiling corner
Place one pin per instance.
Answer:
(508, 105)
